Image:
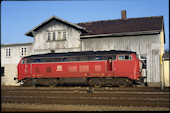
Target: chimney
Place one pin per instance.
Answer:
(123, 12)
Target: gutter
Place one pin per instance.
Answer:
(122, 34)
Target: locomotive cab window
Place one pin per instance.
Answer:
(124, 57)
(23, 61)
(128, 57)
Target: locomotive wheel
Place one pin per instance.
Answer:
(56, 82)
(95, 82)
(122, 83)
(129, 82)
(53, 82)
(28, 82)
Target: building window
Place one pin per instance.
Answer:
(49, 36)
(53, 35)
(8, 52)
(59, 35)
(64, 35)
(23, 51)
(56, 35)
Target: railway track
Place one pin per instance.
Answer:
(105, 96)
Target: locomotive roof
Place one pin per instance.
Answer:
(82, 53)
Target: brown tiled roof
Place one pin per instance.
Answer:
(123, 25)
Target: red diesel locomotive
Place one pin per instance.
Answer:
(100, 68)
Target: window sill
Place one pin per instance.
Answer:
(7, 56)
(56, 40)
(23, 55)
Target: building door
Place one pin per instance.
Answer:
(143, 58)
(2, 72)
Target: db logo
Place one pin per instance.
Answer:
(59, 68)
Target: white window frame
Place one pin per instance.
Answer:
(143, 59)
(53, 36)
(59, 35)
(48, 38)
(23, 51)
(64, 35)
(8, 52)
(59, 32)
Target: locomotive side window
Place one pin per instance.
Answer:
(121, 57)
(48, 60)
(29, 60)
(114, 57)
(64, 59)
(71, 59)
(57, 60)
(23, 61)
(85, 58)
(124, 57)
(98, 58)
(36, 60)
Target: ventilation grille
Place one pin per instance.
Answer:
(36, 69)
(48, 69)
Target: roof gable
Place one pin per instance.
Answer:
(118, 26)
(30, 33)
(123, 25)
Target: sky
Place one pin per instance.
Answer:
(18, 17)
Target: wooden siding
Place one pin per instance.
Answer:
(144, 45)
(72, 38)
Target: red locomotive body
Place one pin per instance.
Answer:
(113, 68)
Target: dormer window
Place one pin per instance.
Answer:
(59, 35)
(64, 35)
(49, 36)
(56, 35)
(53, 35)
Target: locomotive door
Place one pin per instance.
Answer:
(28, 67)
(124, 66)
(21, 68)
(110, 67)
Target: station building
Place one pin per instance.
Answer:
(144, 35)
